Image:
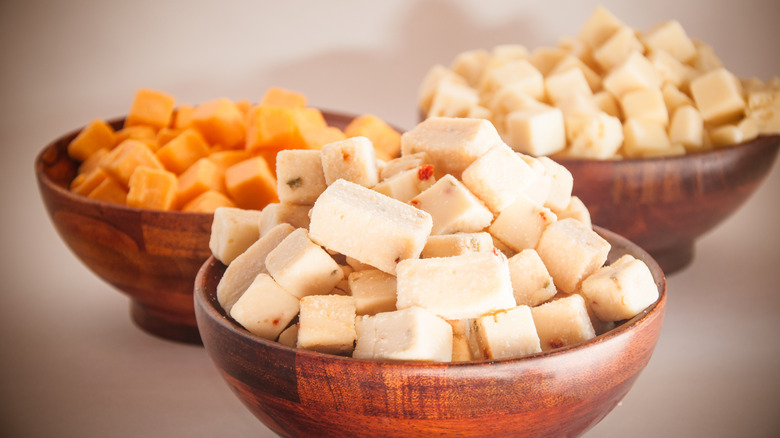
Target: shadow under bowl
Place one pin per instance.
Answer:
(665, 204)
(561, 392)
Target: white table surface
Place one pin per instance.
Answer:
(73, 365)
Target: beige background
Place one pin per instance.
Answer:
(73, 365)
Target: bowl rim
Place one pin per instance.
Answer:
(219, 317)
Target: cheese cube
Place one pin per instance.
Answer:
(243, 269)
(539, 188)
(151, 107)
(386, 140)
(448, 245)
(498, 177)
(521, 224)
(562, 322)
(412, 334)
(561, 85)
(517, 72)
(670, 70)
(636, 72)
(302, 267)
(674, 98)
(687, 128)
(509, 333)
(109, 190)
(465, 346)
(606, 102)
(572, 61)
(405, 162)
(457, 287)
(208, 202)
(251, 183)
(562, 184)
(615, 49)
(644, 137)
(373, 291)
(510, 52)
(452, 99)
(327, 324)
(283, 213)
(531, 283)
(621, 290)
(406, 185)
(352, 159)
(300, 178)
(599, 27)
(646, 103)
(95, 136)
(430, 82)
(506, 100)
(202, 176)
(152, 188)
(451, 143)
(289, 336)
(183, 151)
(536, 131)
(122, 161)
(718, 96)
(705, 59)
(452, 207)
(470, 64)
(576, 209)
(233, 230)
(368, 226)
(671, 38)
(84, 183)
(265, 309)
(571, 251)
(221, 122)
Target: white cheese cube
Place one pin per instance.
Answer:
(277, 213)
(562, 322)
(644, 137)
(562, 183)
(597, 136)
(412, 334)
(546, 58)
(536, 131)
(508, 99)
(647, 104)
(498, 177)
(726, 135)
(670, 70)
(621, 290)
(452, 99)
(289, 336)
(448, 245)
(560, 85)
(368, 226)
(617, 48)
(352, 159)
(517, 72)
(406, 185)
(718, 96)
(373, 291)
(599, 27)
(636, 72)
(521, 224)
(299, 176)
(233, 230)
(405, 162)
(435, 75)
(470, 64)
(451, 143)
(531, 283)
(572, 61)
(326, 324)
(606, 102)
(687, 128)
(671, 38)
(452, 207)
(576, 210)
(244, 268)
(509, 333)
(302, 267)
(674, 98)
(265, 309)
(571, 251)
(458, 287)
(705, 59)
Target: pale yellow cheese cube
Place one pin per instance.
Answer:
(562, 322)
(233, 230)
(405, 162)
(458, 287)
(706, 59)
(726, 135)
(435, 75)
(509, 333)
(546, 58)
(277, 213)
(617, 48)
(531, 282)
(606, 102)
(674, 97)
(621, 290)
(599, 27)
(452, 207)
(470, 64)
(597, 136)
(671, 70)
(576, 104)
(572, 61)
(299, 176)
(265, 309)
(510, 51)
(519, 72)
(244, 268)
(352, 159)
(571, 251)
(451, 143)
(645, 103)
(576, 209)
(326, 324)
(368, 226)
(407, 184)
(498, 177)
(522, 223)
(536, 131)
(687, 128)
(560, 85)
(448, 245)
(670, 37)
(643, 137)
(452, 99)
(540, 187)
(413, 334)
(634, 73)
(373, 291)
(718, 96)
(302, 267)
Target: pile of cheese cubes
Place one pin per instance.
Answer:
(214, 154)
(611, 92)
(460, 249)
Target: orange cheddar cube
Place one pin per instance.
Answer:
(84, 183)
(182, 116)
(121, 161)
(316, 138)
(275, 127)
(208, 202)
(109, 190)
(386, 140)
(96, 135)
(276, 96)
(165, 135)
(227, 158)
(221, 122)
(201, 177)
(152, 188)
(183, 151)
(251, 184)
(151, 107)
(93, 161)
(244, 105)
(144, 133)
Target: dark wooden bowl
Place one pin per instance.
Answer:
(151, 256)
(562, 392)
(665, 204)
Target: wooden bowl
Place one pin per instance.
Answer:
(152, 256)
(298, 393)
(665, 204)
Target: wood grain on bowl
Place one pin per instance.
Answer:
(300, 393)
